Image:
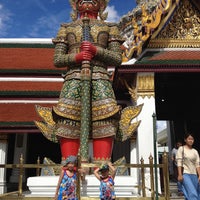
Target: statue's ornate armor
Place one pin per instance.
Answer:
(87, 106)
(105, 36)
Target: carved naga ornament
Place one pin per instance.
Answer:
(143, 22)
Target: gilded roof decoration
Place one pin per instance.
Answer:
(145, 24)
(182, 30)
(185, 23)
(141, 22)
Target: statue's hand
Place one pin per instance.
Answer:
(82, 56)
(88, 46)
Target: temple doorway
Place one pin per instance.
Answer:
(177, 101)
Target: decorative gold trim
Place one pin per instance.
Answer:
(182, 31)
(160, 26)
(104, 111)
(170, 43)
(132, 90)
(46, 114)
(145, 86)
(142, 32)
(72, 113)
(47, 131)
(126, 125)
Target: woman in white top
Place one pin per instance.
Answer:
(188, 158)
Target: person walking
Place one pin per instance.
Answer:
(189, 168)
(175, 169)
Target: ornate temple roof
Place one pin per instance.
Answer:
(26, 55)
(177, 55)
(27, 77)
(179, 60)
(161, 24)
(161, 36)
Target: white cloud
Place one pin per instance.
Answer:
(5, 19)
(47, 25)
(161, 125)
(113, 16)
(41, 5)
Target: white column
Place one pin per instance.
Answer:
(134, 160)
(3, 156)
(145, 133)
(145, 142)
(20, 149)
(145, 96)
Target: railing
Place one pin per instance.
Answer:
(153, 168)
(21, 166)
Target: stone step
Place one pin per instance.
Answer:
(174, 192)
(173, 196)
(84, 198)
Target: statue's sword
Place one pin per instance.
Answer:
(85, 105)
(85, 97)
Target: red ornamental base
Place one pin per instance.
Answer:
(69, 147)
(102, 148)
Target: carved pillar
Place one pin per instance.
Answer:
(145, 95)
(3, 156)
(133, 159)
(145, 134)
(20, 149)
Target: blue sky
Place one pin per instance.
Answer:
(42, 18)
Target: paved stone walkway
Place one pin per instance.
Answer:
(174, 192)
